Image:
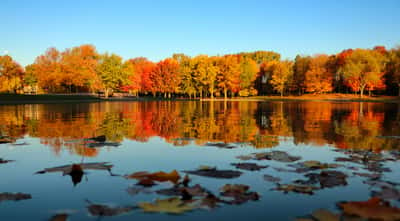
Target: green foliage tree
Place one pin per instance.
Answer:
(113, 73)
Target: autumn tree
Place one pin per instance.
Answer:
(48, 70)
(282, 73)
(78, 68)
(11, 75)
(186, 70)
(393, 67)
(363, 67)
(205, 73)
(248, 75)
(318, 78)
(113, 72)
(300, 67)
(30, 79)
(165, 76)
(143, 67)
(261, 56)
(228, 76)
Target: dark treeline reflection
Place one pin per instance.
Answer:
(258, 124)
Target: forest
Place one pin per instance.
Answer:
(82, 69)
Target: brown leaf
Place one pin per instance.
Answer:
(225, 174)
(248, 166)
(160, 176)
(374, 209)
(14, 196)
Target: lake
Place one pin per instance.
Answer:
(193, 160)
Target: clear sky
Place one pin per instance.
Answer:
(157, 29)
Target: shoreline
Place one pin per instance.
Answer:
(6, 99)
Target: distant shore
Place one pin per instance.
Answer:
(74, 98)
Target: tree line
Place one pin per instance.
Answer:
(83, 69)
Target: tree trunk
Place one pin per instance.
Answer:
(212, 92)
(362, 92)
(281, 93)
(225, 93)
(106, 93)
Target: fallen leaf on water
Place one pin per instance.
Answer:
(245, 157)
(66, 169)
(160, 176)
(214, 173)
(271, 178)
(59, 217)
(280, 156)
(104, 210)
(373, 176)
(327, 179)
(248, 166)
(5, 161)
(195, 190)
(221, 145)
(374, 209)
(76, 171)
(313, 165)
(172, 205)
(239, 192)
(387, 193)
(14, 196)
(286, 188)
(381, 183)
(133, 190)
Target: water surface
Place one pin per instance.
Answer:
(357, 140)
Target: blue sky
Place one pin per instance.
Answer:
(157, 29)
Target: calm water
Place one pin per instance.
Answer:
(354, 138)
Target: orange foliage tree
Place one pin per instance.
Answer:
(318, 78)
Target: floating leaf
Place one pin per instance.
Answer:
(59, 217)
(146, 182)
(286, 188)
(172, 205)
(373, 176)
(245, 157)
(2, 161)
(239, 193)
(271, 178)
(373, 209)
(312, 165)
(14, 196)
(132, 190)
(221, 145)
(387, 193)
(326, 179)
(248, 166)
(195, 190)
(76, 171)
(104, 210)
(280, 156)
(214, 173)
(160, 176)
